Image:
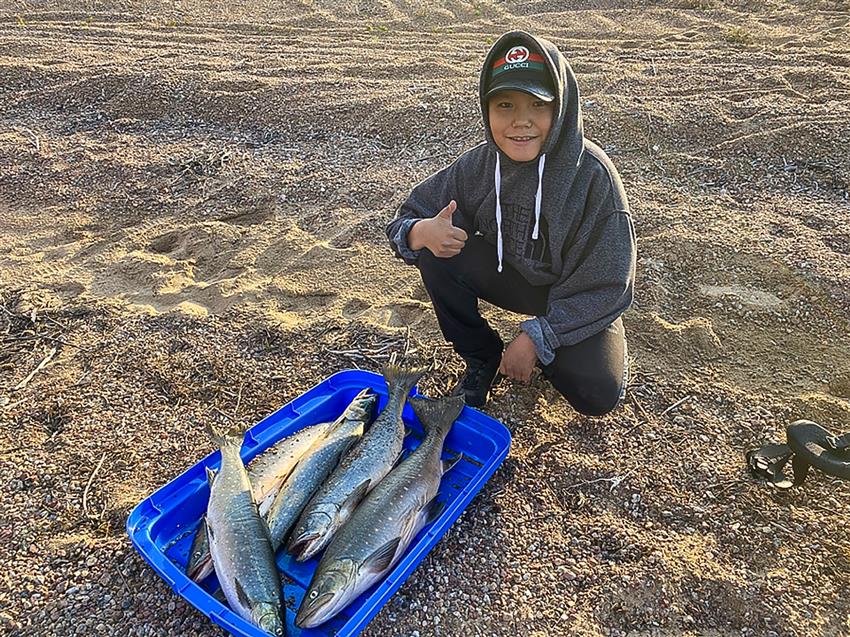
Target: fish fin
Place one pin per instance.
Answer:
(381, 559)
(210, 535)
(432, 511)
(449, 463)
(219, 596)
(241, 595)
(210, 476)
(401, 456)
(222, 437)
(348, 446)
(355, 496)
(401, 378)
(437, 416)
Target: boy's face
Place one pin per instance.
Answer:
(520, 123)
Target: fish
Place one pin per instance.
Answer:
(316, 465)
(266, 473)
(269, 470)
(239, 541)
(361, 469)
(381, 528)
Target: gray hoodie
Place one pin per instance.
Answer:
(585, 245)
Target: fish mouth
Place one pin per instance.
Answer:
(311, 613)
(301, 546)
(200, 569)
(269, 620)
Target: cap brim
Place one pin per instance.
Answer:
(532, 88)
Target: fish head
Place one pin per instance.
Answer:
(267, 616)
(310, 536)
(364, 404)
(330, 591)
(200, 565)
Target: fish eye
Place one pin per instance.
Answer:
(314, 594)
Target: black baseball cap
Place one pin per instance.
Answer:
(521, 69)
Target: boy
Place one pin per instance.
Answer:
(534, 220)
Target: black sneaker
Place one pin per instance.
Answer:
(476, 382)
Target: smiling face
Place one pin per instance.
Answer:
(520, 123)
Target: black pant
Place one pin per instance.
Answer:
(589, 374)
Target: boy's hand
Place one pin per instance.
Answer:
(519, 359)
(438, 234)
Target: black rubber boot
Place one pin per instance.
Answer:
(477, 380)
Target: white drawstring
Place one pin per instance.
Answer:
(538, 201)
(498, 178)
(538, 198)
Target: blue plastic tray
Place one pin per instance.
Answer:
(162, 526)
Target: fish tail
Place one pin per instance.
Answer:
(221, 437)
(437, 416)
(401, 378)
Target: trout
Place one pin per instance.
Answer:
(239, 542)
(312, 470)
(267, 473)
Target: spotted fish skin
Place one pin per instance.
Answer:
(239, 543)
(315, 466)
(381, 528)
(267, 472)
(361, 469)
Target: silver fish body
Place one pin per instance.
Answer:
(239, 544)
(315, 466)
(382, 527)
(269, 470)
(361, 469)
(266, 472)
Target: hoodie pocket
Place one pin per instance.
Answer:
(517, 226)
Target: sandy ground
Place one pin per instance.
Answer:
(192, 203)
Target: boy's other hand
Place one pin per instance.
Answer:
(438, 234)
(519, 359)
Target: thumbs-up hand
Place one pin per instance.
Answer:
(438, 234)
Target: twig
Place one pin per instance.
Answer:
(43, 362)
(89, 483)
(615, 481)
(222, 414)
(676, 404)
(33, 138)
(126, 585)
(640, 407)
(238, 400)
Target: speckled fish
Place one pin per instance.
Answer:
(361, 469)
(267, 473)
(379, 531)
(239, 542)
(315, 466)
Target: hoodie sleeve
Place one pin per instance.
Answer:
(597, 282)
(426, 200)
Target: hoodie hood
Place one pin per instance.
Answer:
(565, 142)
(563, 146)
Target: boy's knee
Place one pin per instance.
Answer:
(591, 397)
